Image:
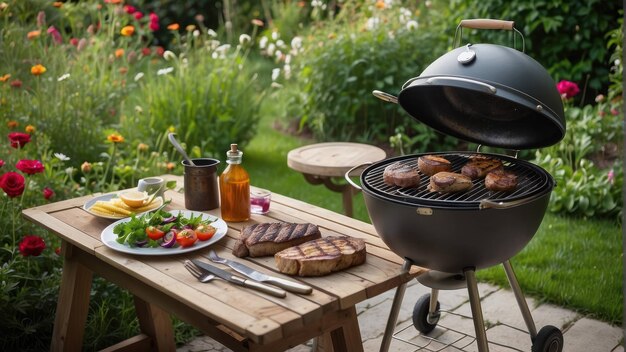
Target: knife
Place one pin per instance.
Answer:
(240, 281)
(259, 276)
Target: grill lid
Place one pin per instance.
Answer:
(500, 97)
(532, 181)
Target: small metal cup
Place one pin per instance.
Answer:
(200, 183)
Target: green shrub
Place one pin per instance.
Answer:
(206, 94)
(341, 64)
(562, 35)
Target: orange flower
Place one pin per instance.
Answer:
(37, 70)
(33, 34)
(12, 124)
(114, 2)
(170, 166)
(119, 53)
(380, 4)
(115, 138)
(57, 4)
(127, 31)
(86, 167)
(30, 129)
(143, 147)
(173, 27)
(123, 70)
(5, 77)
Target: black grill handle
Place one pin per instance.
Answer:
(347, 175)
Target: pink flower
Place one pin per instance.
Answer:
(18, 139)
(41, 19)
(614, 112)
(567, 89)
(12, 183)
(32, 245)
(154, 22)
(611, 176)
(48, 193)
(129, 9)
(74, 41)
(55, 34)
(138, 15)
(30, 167)
(1, 163)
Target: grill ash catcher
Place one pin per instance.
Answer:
(490, 95)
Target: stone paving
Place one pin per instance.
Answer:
(506, 330)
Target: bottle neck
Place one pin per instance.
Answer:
(234, 157)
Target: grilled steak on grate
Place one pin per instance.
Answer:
(448, 182)
(432, 164)
(501, 181)
(479, 166)
(401, 175)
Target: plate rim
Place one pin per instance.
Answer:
(105, 197)
(222, 229)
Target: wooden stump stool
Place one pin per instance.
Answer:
(327, 163)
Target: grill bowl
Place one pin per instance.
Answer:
(451, 235)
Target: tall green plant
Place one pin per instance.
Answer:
(206, 93)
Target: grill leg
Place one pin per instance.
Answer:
(395, 310)
(477, 313)
(433, 313)
(521, 301)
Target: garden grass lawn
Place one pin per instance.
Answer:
(573, 263)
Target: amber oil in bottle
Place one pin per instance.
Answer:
(235, 188)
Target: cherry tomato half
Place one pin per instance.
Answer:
(205, 232)
(154, 232)
(186, 238)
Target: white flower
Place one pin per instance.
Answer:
(287, 70)
(280, 43)
(275, 74)
(276, 85)
(138, 76)
(69, 171)
(165, 71)
(263, 42)
(222, 49)
(372, 23)
(196, 33)
(138, 109)
(244, 39)
(270, 49)
(279, 55)
(275, 35)
(296, 43)
(61, 156)
(411, 25)
(214, 44)
(63, 77)
(287, 59)
(168, 55)
(211, 33)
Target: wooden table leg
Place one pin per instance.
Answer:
(73, 304)
(346, 338)
(156, 323)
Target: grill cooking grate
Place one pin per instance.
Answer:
(531, 179)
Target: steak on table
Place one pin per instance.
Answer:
(322, 256)
(263, 239)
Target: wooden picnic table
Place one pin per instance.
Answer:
(240, 318)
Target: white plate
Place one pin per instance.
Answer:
(157, 202)
(109, 238)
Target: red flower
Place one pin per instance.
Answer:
(1, 163)
(567, 89)
(74, 41)
(138, 15)
(129, 9)
(18, 139)
(12, 183)
(48, 193)
(154, 22)
(57, 250)
(32, 245)
(146, 51)
(30, 167)
(16, 83)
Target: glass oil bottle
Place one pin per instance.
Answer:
(235, 188)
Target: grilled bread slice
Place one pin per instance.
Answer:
(448, 182)
(432, 164)
(501, 181)
(478, 167)
(263, 239)
(322, 256)
(401, 175)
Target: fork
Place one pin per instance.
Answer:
(202, 277)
